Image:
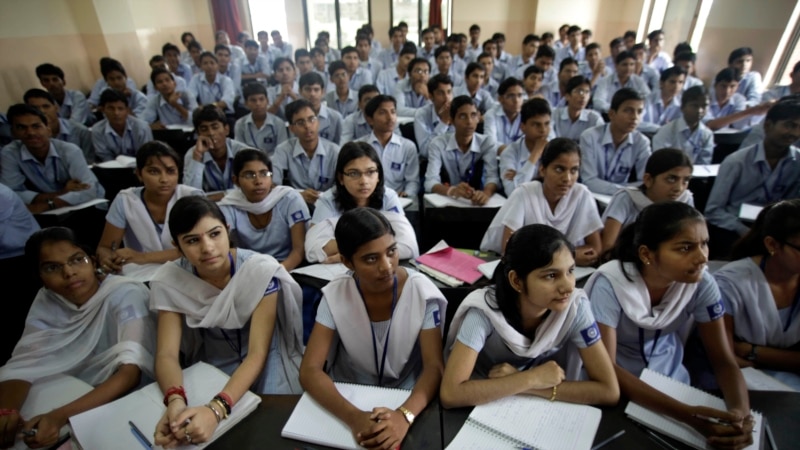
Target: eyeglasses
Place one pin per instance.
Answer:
(76, 261)
(250, 175)
(581, 92)
(357, 174)
(512, 96)
(302, 123)
(422, 72)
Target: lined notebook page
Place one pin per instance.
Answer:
(473, 437)
(686, 394)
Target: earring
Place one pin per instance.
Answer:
(772, 253)
(647, 263)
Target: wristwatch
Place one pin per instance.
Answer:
(51, 204)
(752, 355)
(407, 414)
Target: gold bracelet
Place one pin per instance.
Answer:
(216, 413)
(555, 391)
(223, 411)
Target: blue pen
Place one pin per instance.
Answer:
(140, 436)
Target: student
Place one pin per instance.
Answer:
(616, 46)
(729, 108)
(255, 65)
(474, 79)
(490, 85)
(354, 305)
(279, 44)
(72, 104)
(533, 81)
(181, 84)
(286, 91)
(655, 286)
(119, 134)
(502, 56)
(259, 129)
(207, 165)
(355, 126)
(530, 47)
(474, 47)
(331, 54)
(764, 173)
(544, 60)
(110, 64)
(116, 79)
(630, 39)
(520, 336)
(554, 92)
(759, 289)
(357, 75)
(365, 59)
(687, 60)
(195, 50)
(572, 119)
(687, 131)
(253, 333)
(320, 65)
(657, 58)
(427, 48)
(389, 77)
(171, 54)
(46, 173)
(60, 128)
(503, 121)
(398, 155)
(594, 67)
(303, 60)
(169, 106)
(229, 68)
(586, 37)
(211, 88)
(573, 49)
(186, 38)
(306, 161)
(98, 332)
(237, 52)
(779, 91)
(433, 119)
(666, 178)
(750, 87)
(623, 78)
(342, 98)
(138, 215)
(663, 106)
(444, 66)
(263, 217)
(412, 93)
(555, 198)
(563, 37)
(612, 151)
(312, 88)
(359, 183)
(266, 50)
(471, 173)
(548, 39)
(650, 75)
(376, 47)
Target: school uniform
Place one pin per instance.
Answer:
(374, 66)
(483, 99)
(184, 71)
(387, 80)
(661, 62)
(568, 52)
(360, 78)
(427, 126)
(491, 86)
(237, 53)
(159, 110)
(691, 81)
(750, 87)
(627, 203)
(515, 157)
(604, 169)
(137, 102)
(456, 76)
(505, 57)
(219, 89)
(186, 58)
(206, 174)
(74, 107)
(608, 86)
(316, 173)
(332, 55)
(78, 134)
(29, 177)
(651, 77)
(564, 127)
(234, 72)
(100, 85)
(355, 126)
(459, 66)
(285, 49)
(745, 177)
(777, 92)
(260, 65)
(330, 124)
(389, 57)
(657, 114)
(698, 144)
(16, 222)
(408, 101)
(272, 95)
(499, 72)
(736, 103)
(516, 66)
(586, 71)
(552, 93)
(400, 163)
(376, 48)
(471, 54)
(181, 85)
(429, 55)
(267, 138)
(444, 156)
(327, 208)
(108, 144)
(344, 108)
(497, 125)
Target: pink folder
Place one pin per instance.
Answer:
(454, 263)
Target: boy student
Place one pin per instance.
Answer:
(46, 173)
(664, 105)
(594, 67)
(533, 81)
(210, 87)
(688, 132)
(623, 77)
(433, 119)
(101, 85)
(367, 62)
(342, 98)
(186, 38)
(60, 128)
(195, 50)
(287, 90)
(116, 78)
(467, 160)
(221, 38)
(390, 56)
(490, 84)
(284, 47)
(586, 37)
(503, 121)
(548, 39)
(207, 165)
(642, 69)
(612, 152)
(172, 56)
(686, 60)
(474, 48)
(498, 72)
(779, 91)
(72, 104)
(657, 58)
(474, 77)
(563, 37)
(616, 46)
(750, 85)
(302, 58)
(389, 77)
(574, 50)
(629, 38)
(444, 65)
(265, 49)
(519, 162)
(530, 48)
(544, 60)
(169, 106)
(324, 43)
(255, 65)
(502, 56)
(375, 46)
(228, 67)
(329, 122)
(259, 129)
(308, 160)
(355, 125)
(398, 154)
(554, 92)
(428, 47)
(358, 75)
(729, 108)
(412, 93)
(572, 119)
(119, 133)
(318, 61)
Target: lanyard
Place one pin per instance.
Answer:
(465, 177)
(218, 183)
(41, 174)
(511, 130)
(777, 183)
(379, 369)
(253, 137)
(695, 147)
(615, 166)
(795, 302)
(646, 358)
(159, 227)
(321, 180)
(208, 87)
(120, 144)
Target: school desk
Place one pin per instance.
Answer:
(459, 227)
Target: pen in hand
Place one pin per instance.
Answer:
(29, 433)
(139, 435)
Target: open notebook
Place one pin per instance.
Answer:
(686, 394)
(312, 423)
(522, 421)
(107, 426)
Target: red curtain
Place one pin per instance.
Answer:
(226, 17)
(435, 13)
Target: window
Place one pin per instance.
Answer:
(337, 17)
(268, 15)
(407, 11)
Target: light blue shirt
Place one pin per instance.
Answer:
(181, 85)
(330, 124)
(567, 52)
(564, 127)
(316, 173)
(387, 80)
(622, 208)
(777, 92)
(445, 154)
(344, 108)
(75, 107)
(454, 74)
(285, 49)
(657, 114)
(220, 89)
(272, 95)
(408, 101)
(108, 144)
(483, 99)
(389, 57)
(100, 85)
(497, 125)
(604, 169)
(359, 78)
(268, 137)
(491, 86)
(234, 72)
(515, 157)
(699, 145)
(651, 77)
(427, 126)
(400, 163)
(355, 126)
(16, 224)
(159, 110)
(373, 66)
(206, 174)
(750, 87)
(260, 65)
(661, 62)
(78, 134)
(736, 103)
(608, 86)
(137, 103)
(326, 206)
(552, 93)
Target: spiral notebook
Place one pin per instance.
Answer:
(312, 423)
(686, 394)
(523, 421)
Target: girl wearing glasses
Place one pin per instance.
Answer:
(359, 183)
(98, 332)
(265, 218)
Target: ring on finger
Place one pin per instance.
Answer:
(188, 439)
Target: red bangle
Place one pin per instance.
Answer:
(8, 412)
(227, 398)
(175, 390)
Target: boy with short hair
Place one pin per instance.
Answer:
(211, 87)
(520, 161)
(108, 64)
(72, 104)
(390, 56)
(330, 122)
(307, 159)
(341, 98)
(358, 75)
(573, 118)
(318, 60)
(530, 48)
(664, 105)
(563, 37)
(548, 39)
(623, 77)
(594, 67)
(630, 39)
(181, 83)
(172, 56)
(586, 37)
(657, 58)
(474, 47)
(779, 91)
(195, 50)
(60, 128)
(554, 92)
(612, 152)
(616, 46)
(229, 67)
(286, 90)
(285, 48)
(255, 65)
(750, 84)
(389, 77)
(116, 78)
(169, 106)
(544, 60)
(502, 56)
(688, 132)
(259, 129)
(302, 59)
(221, 38)
(119, 133)
(728, 107)
(428, 46)
(686, 60)
(475, 75)
(503, 121)
(444, 65)
(433, 119)
(355, 125)
(367, 62)
(490, 84)
(412, 93)
(574, 49)
(186, 38)
(650, 75)
(533, 81)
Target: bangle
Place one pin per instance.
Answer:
(226, 398)
(226, 406)
(8, 412)
(216, 413)
(449, 190)
(175, 390)
(555, 391)
(222, 410)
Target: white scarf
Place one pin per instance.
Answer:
(237, 199)
(141, 223)
(60, 336)
(634, 297)
(641, 201)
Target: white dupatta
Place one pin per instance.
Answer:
(641, 200)
(141, 223)
(237, 199)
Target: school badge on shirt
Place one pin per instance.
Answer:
(716, 310)
(396, 166)
(437, 319)
(297, 216)
(590, 334)
(273, 286)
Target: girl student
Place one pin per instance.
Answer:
(265, 218)
(244, 309)
(666, 178)
(761, 291)
(520, 336)
(138, 215)
(100, 332)
(359, 183)
(656, 285)
(386, 323)
(555, 199)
